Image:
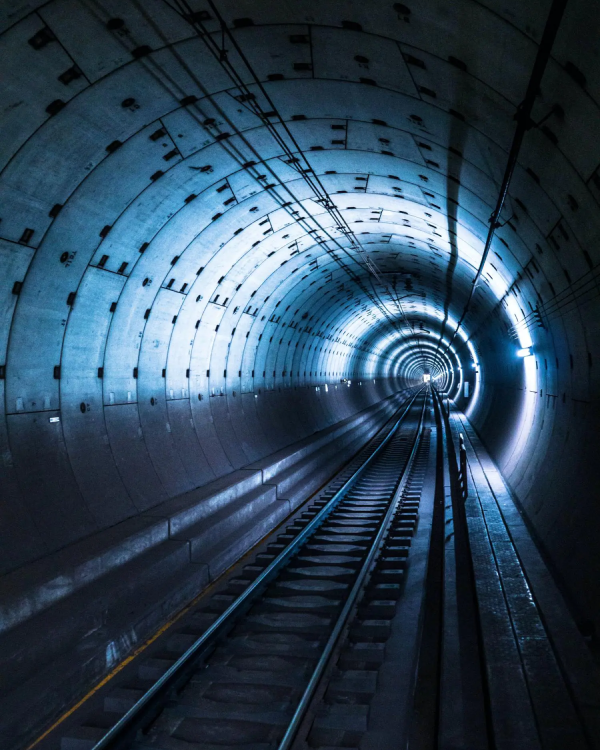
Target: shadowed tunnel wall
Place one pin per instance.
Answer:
(180, 299)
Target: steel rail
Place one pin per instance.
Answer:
(133, 718)
(305, 700)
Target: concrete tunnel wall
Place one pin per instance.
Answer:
(178, 297)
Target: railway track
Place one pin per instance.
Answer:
(287, 653)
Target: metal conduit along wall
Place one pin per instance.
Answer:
(178, 301)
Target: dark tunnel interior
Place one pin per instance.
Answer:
(223, 233)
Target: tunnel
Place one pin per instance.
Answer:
(237, 238)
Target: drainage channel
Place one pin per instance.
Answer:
(287, 652)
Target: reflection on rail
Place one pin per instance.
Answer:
(322, 593)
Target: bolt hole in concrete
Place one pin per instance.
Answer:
(233, 241)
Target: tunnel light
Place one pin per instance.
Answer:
(524, 352)
(426, 377)
(54, 419)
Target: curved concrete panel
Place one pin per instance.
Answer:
(206, 262)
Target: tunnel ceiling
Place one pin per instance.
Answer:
(336, 160)
(299, 197)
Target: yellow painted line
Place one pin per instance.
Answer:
(187, 608)
(121, 666)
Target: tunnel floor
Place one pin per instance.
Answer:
(299, 365)
(451, 632)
